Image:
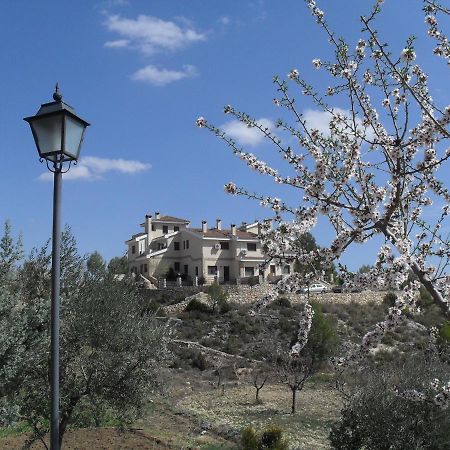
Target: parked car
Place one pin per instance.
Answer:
(316, 288)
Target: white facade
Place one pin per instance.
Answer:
(169, 244)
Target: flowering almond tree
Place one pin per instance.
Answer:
(374, 173)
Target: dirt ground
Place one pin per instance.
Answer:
(94, 439)
(194, 415)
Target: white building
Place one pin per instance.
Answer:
(231, 255)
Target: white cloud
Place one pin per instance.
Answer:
(160, 77)
(320, 120)
(224, 20)
(119, 43)
(92, 168)
(150, 34)
(245, 135)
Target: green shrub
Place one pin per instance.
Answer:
(152, 307)
(279, 303)
(444, 333)
(389, 299)
(375, 418)
(249, 439)
(270, 439)
(224, 306)
(197, 305)
(231, 346)
(286, 326)
(425, 298)
(199, 361)
(201, 281)
(218, 298)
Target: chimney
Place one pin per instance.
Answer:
(148, 223)
(204, 226)
(157, 215)
(218, 224)
(244, 226)
(233, 229)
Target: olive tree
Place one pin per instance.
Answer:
(110, 350)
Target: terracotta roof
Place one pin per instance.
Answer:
(170, 219)
(224, 234)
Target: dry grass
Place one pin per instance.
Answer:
(318, 406)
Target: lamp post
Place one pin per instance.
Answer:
(58, 134)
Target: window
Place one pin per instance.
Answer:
(186, 269)
(196, 271)
(212, 270)
(225, 245)
(153, 227)
(176, 228)
(165, 229)
(249, 271)
(176, 246)
(286, 270)
(176, 266)
(251, 247)
(272, 269)
(133, 249)
(187, 244)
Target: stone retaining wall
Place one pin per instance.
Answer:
(243, 294)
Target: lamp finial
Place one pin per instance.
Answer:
(57, 95)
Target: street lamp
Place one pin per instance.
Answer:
(58, 133)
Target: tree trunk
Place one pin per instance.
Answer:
(294, 395)
(67, 414)
(257, 394)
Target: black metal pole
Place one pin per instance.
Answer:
(56, 254)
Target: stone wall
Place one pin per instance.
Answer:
(173, 292)
(243, 294)
(342, 297)
(247, 294)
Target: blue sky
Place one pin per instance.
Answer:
(141, 73)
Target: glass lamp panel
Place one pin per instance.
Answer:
(73, 137)
(47, 131)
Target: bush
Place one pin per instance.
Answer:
(389, 299)
(375, 418)
(218, 298)
(269, 439)
(199, 361)
(322, 339)
(171, 275)
(224, 307)
(197, 305)
(201, 281)
(231, 346)
(249, 439)
(425, 298)
(280, 302)
(444, 333)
